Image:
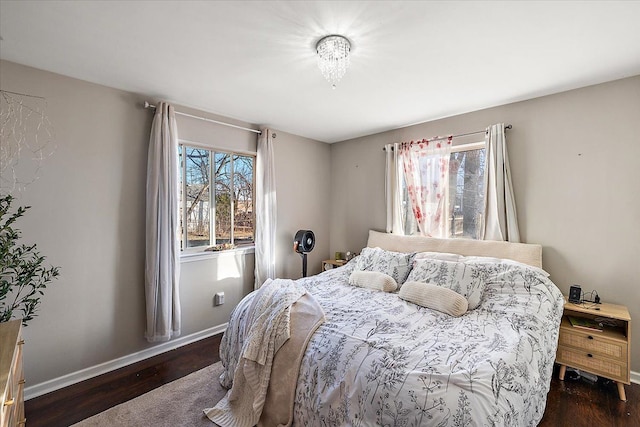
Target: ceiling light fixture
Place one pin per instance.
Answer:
(333, 57)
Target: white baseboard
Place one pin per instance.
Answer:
(93, 371)
(635, 377)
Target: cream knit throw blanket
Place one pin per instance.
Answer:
(269, 328)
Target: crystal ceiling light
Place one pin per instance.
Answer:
(333, 57)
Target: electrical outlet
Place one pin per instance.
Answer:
(218, 299)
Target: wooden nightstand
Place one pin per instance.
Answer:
(605, 353)
(332, 263)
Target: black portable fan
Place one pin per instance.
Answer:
(303, 243)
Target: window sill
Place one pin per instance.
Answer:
(205, 255)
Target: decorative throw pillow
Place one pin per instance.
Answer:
(395, 264)
(435, 297)
(373, 280)
(466, 279)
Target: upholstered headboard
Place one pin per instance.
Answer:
(525, 253)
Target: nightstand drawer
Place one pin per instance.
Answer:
(594, 363)
(593, 343)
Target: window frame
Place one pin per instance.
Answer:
(199, 252)
(471, 146)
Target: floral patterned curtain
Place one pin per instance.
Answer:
(426, 173)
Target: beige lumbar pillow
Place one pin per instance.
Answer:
(373, 280)
(434, 297)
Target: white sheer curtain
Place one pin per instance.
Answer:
(265, 262)
(162, 262)
(500, 221)
(426, 174)
(393, 189)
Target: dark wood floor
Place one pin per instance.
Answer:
(83, 400)
(574, 403)
(578, 403)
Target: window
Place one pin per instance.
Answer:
(218, 216)
(466, 194)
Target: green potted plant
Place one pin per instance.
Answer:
(23, 278)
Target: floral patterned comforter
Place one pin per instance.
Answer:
(380, 360)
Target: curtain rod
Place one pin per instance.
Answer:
(147, 105)
(456, 136)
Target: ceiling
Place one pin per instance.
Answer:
(255, 61)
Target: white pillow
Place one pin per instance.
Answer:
(466, 279)
(394, 264)
(474, 259)
(444, 256)
(373, 280)
(502, 262)
(434, 297)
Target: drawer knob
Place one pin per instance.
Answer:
(590, 337)
(589, 355)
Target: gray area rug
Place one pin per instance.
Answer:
(179, 403)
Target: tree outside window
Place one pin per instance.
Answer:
(466, 193)
(219, 216)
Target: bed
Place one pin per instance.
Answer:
(378, 359)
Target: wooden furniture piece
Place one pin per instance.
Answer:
(11, 374)
(605, 353)
(332, 263)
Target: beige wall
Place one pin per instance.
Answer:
(88, 218)
(303, 194)
(574, 160)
